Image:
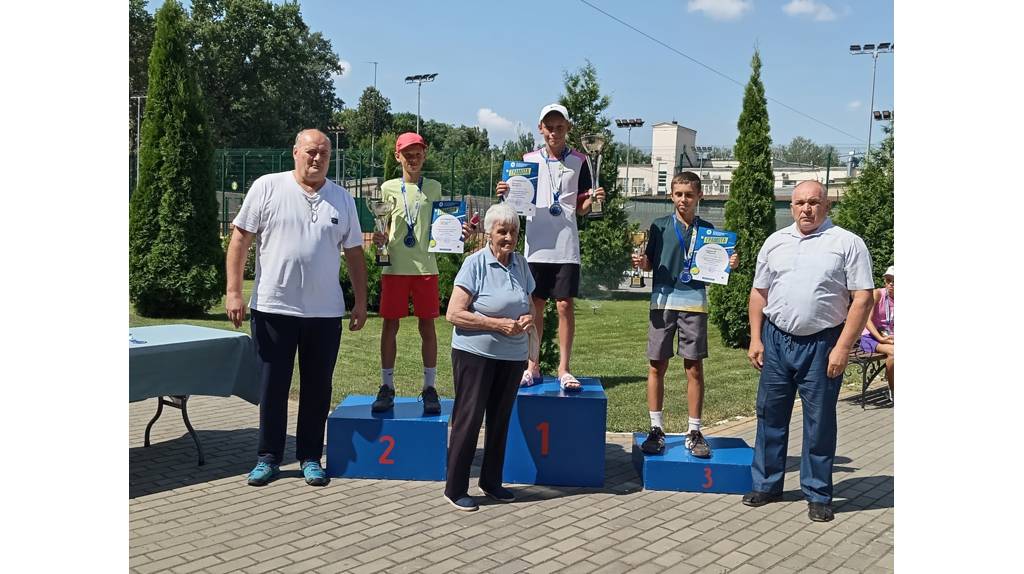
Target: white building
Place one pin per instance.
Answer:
(673, 149)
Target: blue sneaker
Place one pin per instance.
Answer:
(263, 473)
(499, 493)
(464, 503)
(314, 473)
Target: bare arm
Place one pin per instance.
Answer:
(870, 325)
(755, 310)
(856, 317)
(238, 250)
(460, 316)
(357, 273)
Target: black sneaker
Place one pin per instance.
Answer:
(697, 445)
(385, 399)
(819, 512)
(655, 443)
(431, 403)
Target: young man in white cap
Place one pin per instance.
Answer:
(564, 190)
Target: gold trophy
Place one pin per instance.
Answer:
(593, 144)
(639, 247)
(382, 219)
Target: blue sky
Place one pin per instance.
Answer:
(498, 63)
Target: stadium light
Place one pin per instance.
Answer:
(418, 80)
(629, 124)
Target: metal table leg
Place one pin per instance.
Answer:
(179, 402)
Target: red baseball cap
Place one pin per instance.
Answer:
(407, 139)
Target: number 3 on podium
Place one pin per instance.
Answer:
(707, 475)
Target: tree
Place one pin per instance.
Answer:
(372, 117)
(605, 244)
(803, 151)
(867, 207)
(265, 74)
(635, 155)
(176, 263)
(750, 211)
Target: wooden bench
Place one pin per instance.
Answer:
(871, 364)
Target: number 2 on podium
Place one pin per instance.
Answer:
(544, 429)
(391, 444)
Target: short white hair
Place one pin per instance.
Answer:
(501, 213)
(310, 131)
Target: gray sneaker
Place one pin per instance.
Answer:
(431, 402)
(385, 399)
(697, 446)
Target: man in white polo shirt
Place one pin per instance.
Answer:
(807, 274)
(564, 190)
(300, 222)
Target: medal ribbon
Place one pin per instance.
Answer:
(409, 219)
(687, 251)
(556, 187)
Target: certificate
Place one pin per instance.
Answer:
(446, 227)
(712, 249)
(521, 177)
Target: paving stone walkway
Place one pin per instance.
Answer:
(187, 518)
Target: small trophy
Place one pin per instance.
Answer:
(636, 280)
(382, 218)
(593, 144)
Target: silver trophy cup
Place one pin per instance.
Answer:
(593, 144)
(382, 218)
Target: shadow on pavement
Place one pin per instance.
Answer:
(169, 464)
(619, 478)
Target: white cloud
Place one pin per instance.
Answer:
(499, 129)
(346, 69)
(854, 105)
(817, 10)
(720, 9)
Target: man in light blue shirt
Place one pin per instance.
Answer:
(807, 274)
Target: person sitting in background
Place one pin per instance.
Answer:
(878, 335)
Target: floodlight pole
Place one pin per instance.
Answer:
(629, 124)
(418, 80)
(373, 128)
(873, 51)
(138, 133)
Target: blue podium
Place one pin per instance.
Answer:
(401, 444)
(557, 438)
(727, 471)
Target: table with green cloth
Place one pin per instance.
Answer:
(176, 361)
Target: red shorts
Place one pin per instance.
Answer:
(396, 289)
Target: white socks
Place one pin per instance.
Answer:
(387, 377)
(694, 424)
(656, 419)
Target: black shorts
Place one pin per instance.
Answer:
(556, 280)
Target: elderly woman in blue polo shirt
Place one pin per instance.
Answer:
(490, 308)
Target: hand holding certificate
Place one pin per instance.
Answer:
(446, 227)
(521, 178)
(712, 251)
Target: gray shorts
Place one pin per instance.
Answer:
(693, 334)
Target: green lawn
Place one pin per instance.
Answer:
(610, 343)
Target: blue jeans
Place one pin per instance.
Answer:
(796, 364)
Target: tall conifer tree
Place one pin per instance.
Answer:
(176, 262)
(750, 211)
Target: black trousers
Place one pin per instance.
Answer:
(276, 338)
(482, 387)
